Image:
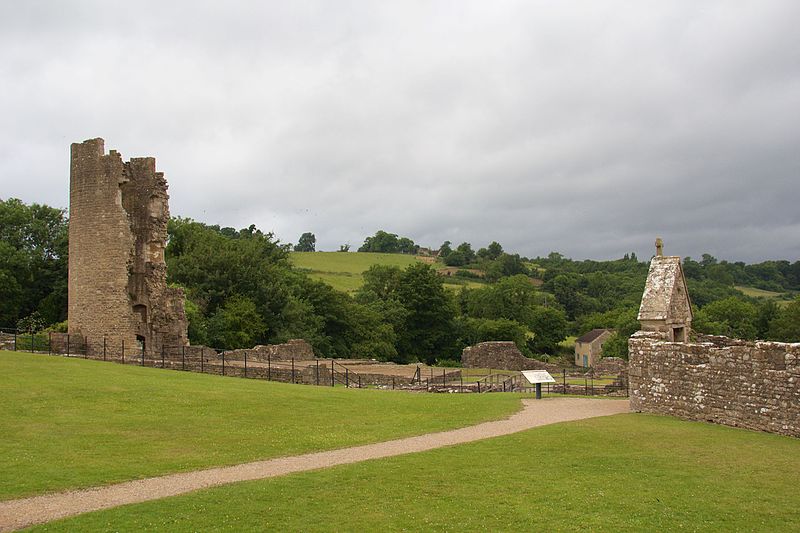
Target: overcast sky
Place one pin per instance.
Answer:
(587, 128)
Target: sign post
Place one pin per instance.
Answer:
(537, 377)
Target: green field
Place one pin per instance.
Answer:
(617, 474)
(343, 270)
(69, 423)
(761, 293)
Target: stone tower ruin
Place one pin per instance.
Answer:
(117, 235)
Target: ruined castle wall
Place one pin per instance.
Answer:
(753, 385)
(501, 355)
(117, 235)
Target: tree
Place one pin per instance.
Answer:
(445, 250)
(428, 326)
(786, 326)
(494, 250)
(33, 262)
(237, 324)
(475, 330)
(455, 258)
(307, 243)
(549, 327)
(466, 251)
(731, 317)
(388, 243)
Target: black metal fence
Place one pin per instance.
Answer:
(317, 371)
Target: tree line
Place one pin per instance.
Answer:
(242, 290)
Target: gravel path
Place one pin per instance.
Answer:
(16, 514)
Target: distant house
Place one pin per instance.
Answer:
(589, 346)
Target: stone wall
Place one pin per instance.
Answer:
(501, 355)
(610, 366)
(753, 385)
(293, 348)
(117, 234)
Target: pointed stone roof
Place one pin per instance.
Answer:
(665, 293)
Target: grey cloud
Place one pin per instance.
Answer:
(587, 128)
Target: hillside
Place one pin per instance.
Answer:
(343, 270)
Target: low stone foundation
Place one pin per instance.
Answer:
(754, 385)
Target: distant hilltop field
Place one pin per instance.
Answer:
(343, 270)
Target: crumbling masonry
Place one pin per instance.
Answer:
(755, 385)
(117, 235)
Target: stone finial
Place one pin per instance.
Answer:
(659, 247)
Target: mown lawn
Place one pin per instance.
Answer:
(622, 473)
(69, 423)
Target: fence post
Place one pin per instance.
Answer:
(479, 386)
(444, 377)
(317, 371)
(292, 369)
(223, 362)
(333, 382)
(15, 344)
(123, 351)
(49, 343)
(592, 382)
(202, 359)
(269, 367)
(143, 353)
(564, 372)
(104, 347)
(585, 385)
(32, 345)
(86, 347)
(245, 364)
(461, 380)
(347, 377)
(359, 381)
(392, 382)
(162, 356)
(183, 357)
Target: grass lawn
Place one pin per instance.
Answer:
(343, 270)
(622, 473)
(69, 423)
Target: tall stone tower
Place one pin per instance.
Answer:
(117, 235)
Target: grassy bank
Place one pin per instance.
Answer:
(68, 423)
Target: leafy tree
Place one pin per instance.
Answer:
(237, 324)
(406, 246)
(428, 327)
(494, 250)
(344, 248)
(307, 243)
(786, 325)
(466, 251)
(475, 330)
(33, 262)
(549, 327)
(455, 258)
(731, 317)
(445, 250)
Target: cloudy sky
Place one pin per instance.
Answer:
(587, 128)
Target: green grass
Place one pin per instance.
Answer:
(622, 473)
(343, 270)
(69, 423)
(753, 292)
